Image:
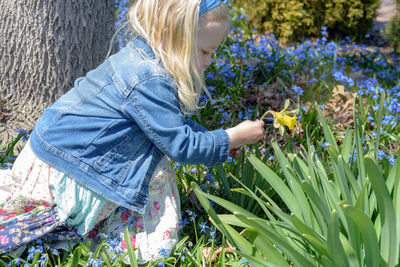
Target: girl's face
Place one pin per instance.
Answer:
(210, 36)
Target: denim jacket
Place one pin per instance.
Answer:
(111, 130)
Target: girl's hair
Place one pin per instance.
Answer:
(171, 27)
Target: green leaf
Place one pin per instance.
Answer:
(242, 243)
(276, 183)
(76, 257)
(389, 242)
(335, 248)
(340, 178)
(304, 229)
(232, 220)
(320, 203)
(330, 139)
(268, 232)
(343, 164)
(361, 200)
(351, 255)
(221, 175)
(202, 197)
(379, 123)
(395, 171)
(268, 250)
(131, 253)
(258, 261)
(318, 246)
(252, 195)
(367, 232)
(359, 156)
(347, 145)
(333, 153)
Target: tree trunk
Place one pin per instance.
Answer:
(44, 46)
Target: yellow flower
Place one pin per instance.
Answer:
(282, 118)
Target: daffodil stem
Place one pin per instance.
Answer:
(263, 116)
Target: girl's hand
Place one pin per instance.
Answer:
(246, 133)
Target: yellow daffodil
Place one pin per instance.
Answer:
(282, 118)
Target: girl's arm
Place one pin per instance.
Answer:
(154, 107)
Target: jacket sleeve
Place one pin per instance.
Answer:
(153, 105)
(195, 126)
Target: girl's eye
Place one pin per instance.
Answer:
(204, 52)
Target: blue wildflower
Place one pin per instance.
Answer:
(381, 154)
(163, 252)
(25, 133)
(324, 145)
(203, 227)
(210, 177)
(17, 261)
(183, 223)
(192, 215)
(391, 160)
(298, 90)
(324, 30)
(203, 187)
(244, 261)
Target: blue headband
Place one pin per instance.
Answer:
(207, 5)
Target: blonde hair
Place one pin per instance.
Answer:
(170, 27)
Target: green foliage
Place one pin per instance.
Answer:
(9, 149)
(342, 212)
(294, 19)
(393, 29)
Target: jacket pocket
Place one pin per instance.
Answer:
(115, 163)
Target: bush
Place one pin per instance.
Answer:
(393, 29)
(294, 19)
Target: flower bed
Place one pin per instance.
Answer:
(323, 186)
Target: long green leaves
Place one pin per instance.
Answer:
(344, 212)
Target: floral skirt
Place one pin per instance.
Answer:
(38, 201)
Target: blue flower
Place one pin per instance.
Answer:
(381, 154)
(97, 263)
(297, 90)
(203, 227)
(212, 234)
(31, 253)
(391, 160)
(210, 177)
(163, 252)
(25, 133)
(17, 261)
(324, 30)
(192, 215)
(203, 187)
(271, 158)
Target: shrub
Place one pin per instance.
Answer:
(393, 29)
(294, 19)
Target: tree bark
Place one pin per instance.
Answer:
(44, 46)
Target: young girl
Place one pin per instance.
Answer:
(101, 152)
